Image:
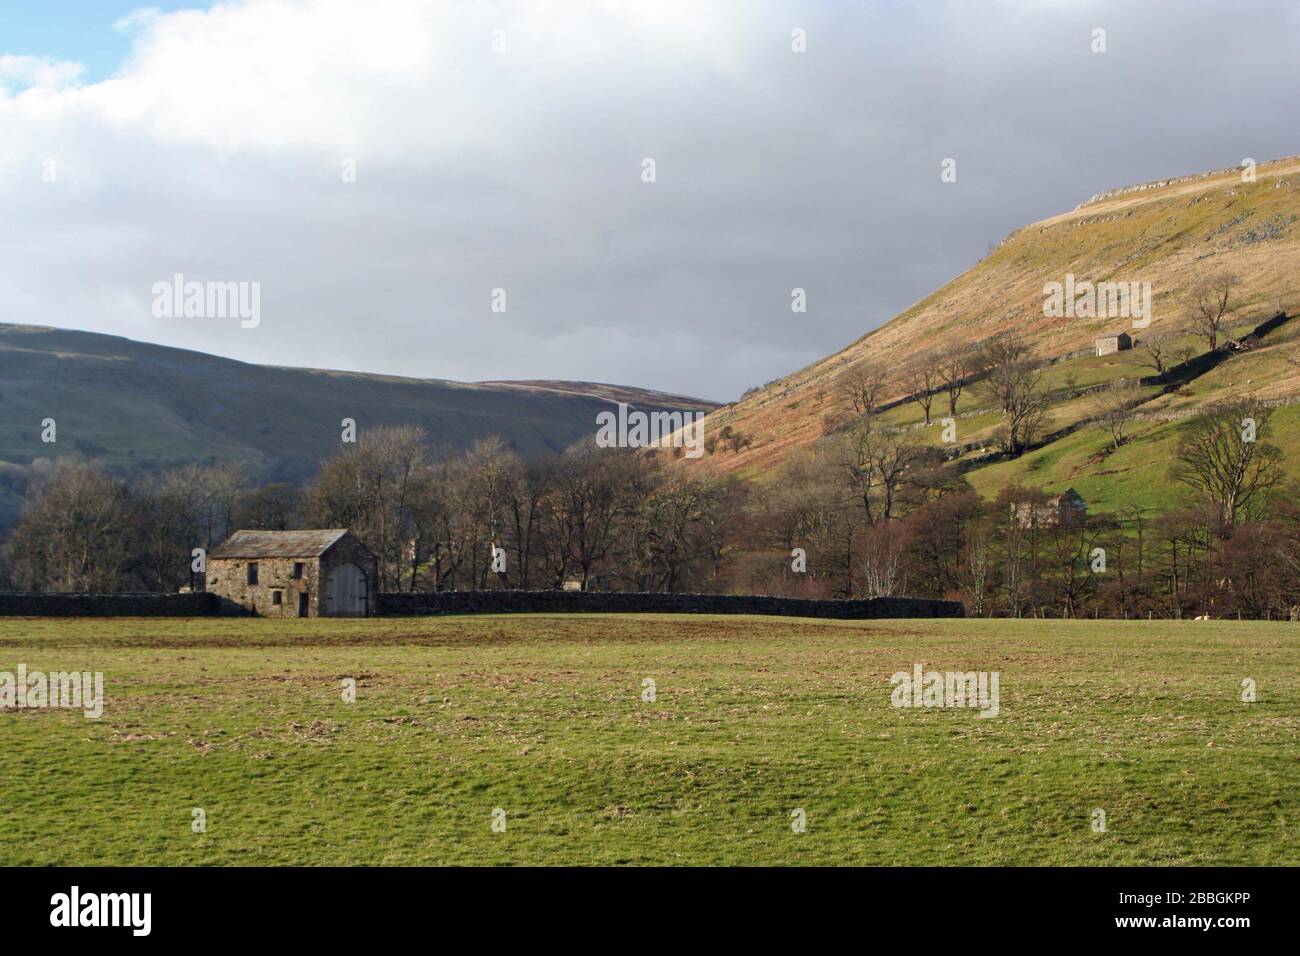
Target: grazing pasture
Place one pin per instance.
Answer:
(752, 719)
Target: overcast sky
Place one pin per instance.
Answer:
(214, 143)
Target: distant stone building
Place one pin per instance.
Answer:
(1110, 344)
(1066, 508)
(295, 573)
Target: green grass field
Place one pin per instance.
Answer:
(543, 717)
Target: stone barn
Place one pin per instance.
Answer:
(295, 573)
(1110, 344)
(1067, 508)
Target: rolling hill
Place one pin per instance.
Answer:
(137, 407)
(1169, 233)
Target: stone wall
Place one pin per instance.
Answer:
(513, 602)
(483, 602)
(111, 605)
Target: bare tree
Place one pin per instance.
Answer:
(1118, 408)
(1158, 353)
(1015, 535)
(676, 513)
(804, 506)
(372, 487)
(977, 566)
(75, 533)
(1002, 361)
(881, 564)
(589, 492)
(525, 512)
(272, 507)
(1066, 566)
(1013, 379)
(1222, 458)
(864, 387)
(955, 366)
(922, 380)
(876, 466)
(1209, 303)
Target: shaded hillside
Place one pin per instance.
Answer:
(139, 407)
(639, 397)
(1169, 234)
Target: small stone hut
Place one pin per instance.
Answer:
(1110, 344)
(327, 573)
(1067, 508)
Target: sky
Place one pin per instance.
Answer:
(461, 190)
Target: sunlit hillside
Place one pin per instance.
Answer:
(1169, 234)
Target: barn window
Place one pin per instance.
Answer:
(252, 572)
(298, 568)
(277, 597)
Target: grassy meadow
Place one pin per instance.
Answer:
(542, 716)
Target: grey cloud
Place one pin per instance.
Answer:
(775, 170)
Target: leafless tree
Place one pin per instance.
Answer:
(956, 365)
(1157, 349)
(1015, 534)
(1209, 303)
(1223, 459)
(1013, 379)
(525, 510)
(881, 564)
(372, 487)
(676, 513)
(864, 388)
(75, 533)
(922, 379)
(1117, 409)
(876, 466)
(272, 507)
(1003, 361)
(805, 506)
(589, 494)
(977, 567)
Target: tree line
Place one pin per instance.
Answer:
(485, 518)
(867, 512)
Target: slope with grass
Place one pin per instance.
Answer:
(752, 718)
(1169, 235)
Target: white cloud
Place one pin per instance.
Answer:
(37, 71)
(140, 17)
(215, 151)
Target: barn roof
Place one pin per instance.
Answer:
(1068, 493)
(278, 544)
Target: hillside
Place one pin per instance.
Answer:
(138, 407)
(1168, 234)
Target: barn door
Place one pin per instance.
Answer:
(346, 593)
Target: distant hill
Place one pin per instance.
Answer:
(138, 407)
(1170, 234)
